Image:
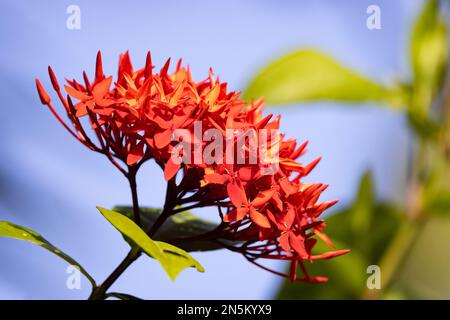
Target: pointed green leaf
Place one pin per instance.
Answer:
(429, 52)
(178, 260)
(133, 233)
(363, 206)
(172, 259)
(11, 230)
(308, 75)
(181, 225)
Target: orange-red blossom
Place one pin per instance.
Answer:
(265, 216)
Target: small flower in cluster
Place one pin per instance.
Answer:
(225, 153)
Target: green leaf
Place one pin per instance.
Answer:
(122, 296)
(172, 259)
(429, 51)
(362, 210)
(181, 225)
(308, 75)
(178, 260)
(429, 55)
(133, 233)
(11, 230)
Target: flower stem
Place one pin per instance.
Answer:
(134, 195)
(99, 293)
(169, 204)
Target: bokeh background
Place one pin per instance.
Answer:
(51, 183)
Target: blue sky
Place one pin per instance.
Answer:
(51, 183)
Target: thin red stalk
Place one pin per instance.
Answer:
(49, 105)
(80, 128)
(105, 144)
(265, 268)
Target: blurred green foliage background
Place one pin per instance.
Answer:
(409, 241)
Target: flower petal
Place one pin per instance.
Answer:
(284, 241)
(236, 215)
(136, 153)
(262, 198)
(298, 245)
(235, 193)
(258, 218)
(216, 178)
(76, 94)
(171, 169)
(102, 88)
(289, 217)
(162, 139)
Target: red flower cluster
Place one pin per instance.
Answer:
(274, 216)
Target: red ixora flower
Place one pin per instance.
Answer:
(273, 215)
